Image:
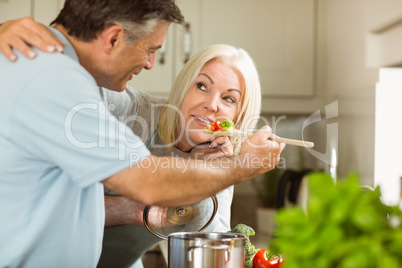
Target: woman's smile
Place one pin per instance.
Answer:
(215, 95)
(202, 120)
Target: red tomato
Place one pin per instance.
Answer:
(261, 260)
(217, 125)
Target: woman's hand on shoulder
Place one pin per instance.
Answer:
(219, 147)
(19, 34)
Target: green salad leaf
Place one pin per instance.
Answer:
(227, 124)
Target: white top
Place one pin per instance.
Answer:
(124, 245)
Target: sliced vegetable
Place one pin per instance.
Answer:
(217, 125)
(225, 125)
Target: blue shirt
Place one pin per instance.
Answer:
(57, 142)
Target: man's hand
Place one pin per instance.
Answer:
(260, 154)
(21, 33)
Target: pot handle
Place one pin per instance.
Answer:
(215, 202)
(165, 237)
(212, 246)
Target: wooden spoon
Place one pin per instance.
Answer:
(238, 133)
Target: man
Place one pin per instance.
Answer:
(58, 141)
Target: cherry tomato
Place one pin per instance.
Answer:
(261, 260)
(217, 125)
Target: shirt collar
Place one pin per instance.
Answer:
(68, 49)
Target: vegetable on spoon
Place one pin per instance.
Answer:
(226, 128)
(225, 125)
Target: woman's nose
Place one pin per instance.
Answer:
(212, 103)
(150, 62)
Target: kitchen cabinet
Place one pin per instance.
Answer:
(13, 9)
(43, 11)
(382, 12)
(278, 34)
(384, 33)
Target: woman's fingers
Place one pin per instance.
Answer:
(221, 141)
(20, 34)
(223, 144)
(220, 147)
(17, 43)
(41, 37)
(7, 51)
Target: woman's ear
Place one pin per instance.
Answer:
(112, 37)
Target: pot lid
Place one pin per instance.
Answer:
(163, 221)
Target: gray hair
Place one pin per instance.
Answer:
(137, 31)
(85, 19)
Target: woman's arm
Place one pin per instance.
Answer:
(21, 34)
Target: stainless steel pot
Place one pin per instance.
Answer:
(201, 250)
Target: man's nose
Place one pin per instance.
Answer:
(150, 62)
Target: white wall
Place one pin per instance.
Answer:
(348, 80)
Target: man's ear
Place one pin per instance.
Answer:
(111, 38)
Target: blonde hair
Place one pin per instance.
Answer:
(236, 58)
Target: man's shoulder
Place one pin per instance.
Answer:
(61, 69)
(57, 61)
(43, 65)
(47, 73)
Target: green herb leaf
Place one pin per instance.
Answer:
(344, 226)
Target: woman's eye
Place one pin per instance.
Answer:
(230, 99)
(201, 86)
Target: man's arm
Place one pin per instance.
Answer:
(170, 181)
(18, 34)
(120, 210)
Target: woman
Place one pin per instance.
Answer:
(220, 82)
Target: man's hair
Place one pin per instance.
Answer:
(85, 19)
